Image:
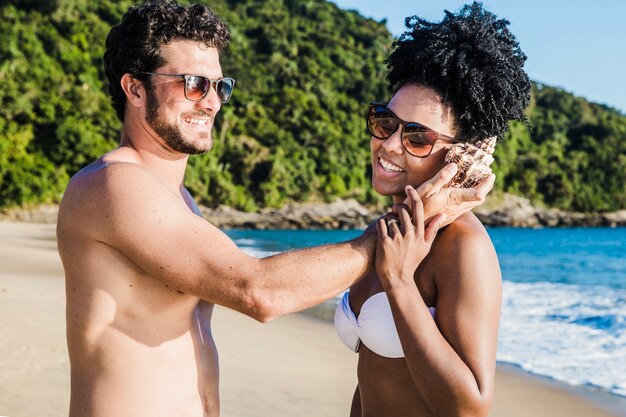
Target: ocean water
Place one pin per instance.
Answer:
(564, 297)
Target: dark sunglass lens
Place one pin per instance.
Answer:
(417, 139)
(225, 89)
(197, 87)
(384, 127)
(381, 123)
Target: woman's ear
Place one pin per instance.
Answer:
(134, 90)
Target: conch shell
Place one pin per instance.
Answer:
(473, 162)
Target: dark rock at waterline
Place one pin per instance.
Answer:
(509, 210)
(502, 210)
(340, 214)
(515, 211)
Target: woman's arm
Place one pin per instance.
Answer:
(452, 362)
(356, 410)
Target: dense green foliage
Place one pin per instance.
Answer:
(573, 158)
(294, 130)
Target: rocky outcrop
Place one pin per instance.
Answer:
(507, 210)
(40, 214)
(340, 214)
(502, 210)
(516, 211)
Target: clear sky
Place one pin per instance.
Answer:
(578, 45)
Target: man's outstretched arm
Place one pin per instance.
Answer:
(136, 213)
(129, 209)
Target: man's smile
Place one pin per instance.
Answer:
(196, 121)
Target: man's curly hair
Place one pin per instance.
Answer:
(134, 46)
(473, 61)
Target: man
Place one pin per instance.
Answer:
(143, 269)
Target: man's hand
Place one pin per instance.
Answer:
(453, 202)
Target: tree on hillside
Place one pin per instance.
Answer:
(294, 130)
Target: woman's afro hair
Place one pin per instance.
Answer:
(473, 61)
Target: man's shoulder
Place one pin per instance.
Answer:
(101, 186)
(111, 177)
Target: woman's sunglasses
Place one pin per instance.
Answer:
(198, 86)
(417, 139)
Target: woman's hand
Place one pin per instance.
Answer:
(404, 242)
(453, 202)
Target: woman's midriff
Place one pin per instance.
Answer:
(386, 387)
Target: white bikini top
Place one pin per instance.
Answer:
(374, 326)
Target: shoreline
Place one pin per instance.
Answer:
(611, 403)
(292, 364)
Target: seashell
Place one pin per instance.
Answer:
(473, 161)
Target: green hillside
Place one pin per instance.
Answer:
(294, 130)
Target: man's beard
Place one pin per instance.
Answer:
(170, 133)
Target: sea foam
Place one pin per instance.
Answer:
(575, 334)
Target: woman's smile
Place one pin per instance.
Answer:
(389, 166)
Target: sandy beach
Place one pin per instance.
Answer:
(293, 366)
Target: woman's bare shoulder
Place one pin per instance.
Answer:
(463, 247)
(465, 232)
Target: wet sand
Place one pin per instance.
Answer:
(293, 366)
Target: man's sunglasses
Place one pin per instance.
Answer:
(417, 139)
(198, 86)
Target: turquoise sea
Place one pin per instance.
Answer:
(564, 297)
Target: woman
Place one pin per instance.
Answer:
(425, 325)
